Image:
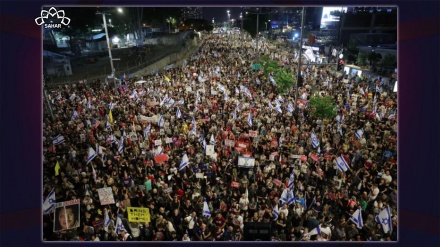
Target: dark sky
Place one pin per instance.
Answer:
(220, 14)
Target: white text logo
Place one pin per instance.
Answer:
(54, 15)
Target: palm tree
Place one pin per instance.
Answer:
(171, 23)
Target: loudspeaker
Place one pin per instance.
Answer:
(257, 231)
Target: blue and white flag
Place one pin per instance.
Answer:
(161, 121)
(58, 140)
(278, 109)
(178, 113)
(49, 203)
(119, 225)
(384, 218)
(158, 151)
(121, 145)
(290, 108)
(270, 106)
(361, 91)
(59, 97)
(193, 121)
(198, 96)
(91, 154)
(206, 211)
(272, 80)
(204, 144)
(278, 103)
(113, 139)
(291, 181)
(111, 105)
(147, 130)
(184, 162)
(290, 197)
(378, 89)
(342, 164)
(89, 104)
(250, 120)
(280, 99)
(221, 87)
(316, 231)
(356, 217)
(226, 97)
(304, 96)
(340, 129)
(181, 102)
(75, 115)
(280, 143)
(359, 133)
(235, 114)
(237, 91)
(212, 140)
(108, 126)
(201, 138)
(315, 141)
(275, 212)
(124, 135)
(106, 221)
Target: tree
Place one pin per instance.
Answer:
(374, 57)
(135, 16)
(389, 61)
(171, 22)
(361, 59)
(322, 107)
(284, 80)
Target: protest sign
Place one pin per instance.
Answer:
(136, 214)
(246, 162)
(66, 215)
(253, 133)
(158, 142)
(209, 149)
(199, 175)
(229, 143)
(168, 140)
(235, 184)
(106, 196)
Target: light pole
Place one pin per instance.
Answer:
(241, 17)
(108, 43)
(300, 53)
(229, 17)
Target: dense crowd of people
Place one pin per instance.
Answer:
(216, 96)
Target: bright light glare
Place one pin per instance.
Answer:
(120, 10)
(115, 40)
(296, 35)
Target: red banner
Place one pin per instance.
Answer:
(277, 182)
(235, 184)
(314, 157)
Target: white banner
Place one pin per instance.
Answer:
(106, 196)
(168, 140)
(209, 149)
(158, 142)
(246, 162)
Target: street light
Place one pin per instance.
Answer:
(241, 17)
(229, 17)
(108, 43)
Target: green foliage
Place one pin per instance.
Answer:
(361, 59)
(284, 79)
(323, 107)
(374, 57)
(389, 61)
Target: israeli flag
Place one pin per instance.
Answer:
(206, 211)
(280, 99)
(181, 102)
(291, 181)
(304, 96)
(278, 109)
(124, 135)
(106, 221)
(277, 102)
(161, 121)
(275, 212)
(221, 87)
(193, 121)
(290, 108)
(59, 97)
(283, 197)
(359, 133)
(89, 104)
(112, 105)
(356, 217)
(392, 116)
(204, 144)
(235, 114)
(201, 138)
(113, 139)
(49, 203)
(194, 130)
(184, 162)
(272, 80)
(258, 81)
(178, 113)
(290, 198)
(119, 225)
(91, 155)
(212, 140)
(121, 145)
(270, 106)
(342, 164)
(107, 125)
(315, 141)
(58, 140)
(147, 130)
(384, 218)
(250, 120)
(361, 91)
(237, 91)
(198, 96)
(340, 129)
(75, 115)
(158, 150)
(316, 231)
(378, 89)
(226, 97)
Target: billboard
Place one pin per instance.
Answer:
(328, 19)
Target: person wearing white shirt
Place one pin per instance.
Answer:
(244, 202)
(284, 210)
(387, 176)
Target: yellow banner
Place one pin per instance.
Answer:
(138, 214)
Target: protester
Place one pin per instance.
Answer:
(148, 142)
